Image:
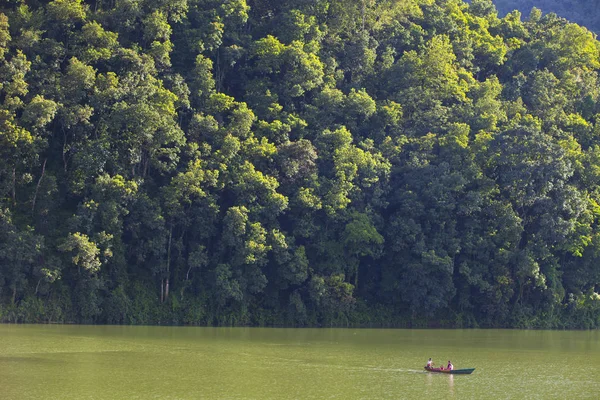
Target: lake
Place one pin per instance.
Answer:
(125, 362)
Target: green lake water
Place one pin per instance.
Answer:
(115, 362)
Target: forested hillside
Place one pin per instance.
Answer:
(583, 12)
(299, 163)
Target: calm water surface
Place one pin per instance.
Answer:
(114, 362)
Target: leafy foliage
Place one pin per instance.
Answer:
(584, 12)
(316, 163)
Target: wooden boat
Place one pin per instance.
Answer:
(464, 371)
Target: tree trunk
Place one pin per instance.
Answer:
(64, 149)
(145, 162)
(218, 79)
(14, 185)
(37, 188)
(364, 13)
(162, 298)
(169, 261)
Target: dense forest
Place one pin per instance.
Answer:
(583, 12)
(402, 163)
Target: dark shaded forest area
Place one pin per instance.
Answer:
(401, 163)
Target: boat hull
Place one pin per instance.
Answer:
(465, 371)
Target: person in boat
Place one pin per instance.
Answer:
(429, 363)
(450, 366)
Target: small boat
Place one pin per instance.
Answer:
(464, 371)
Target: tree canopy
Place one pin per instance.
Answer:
(298, 163)
(583, 12)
